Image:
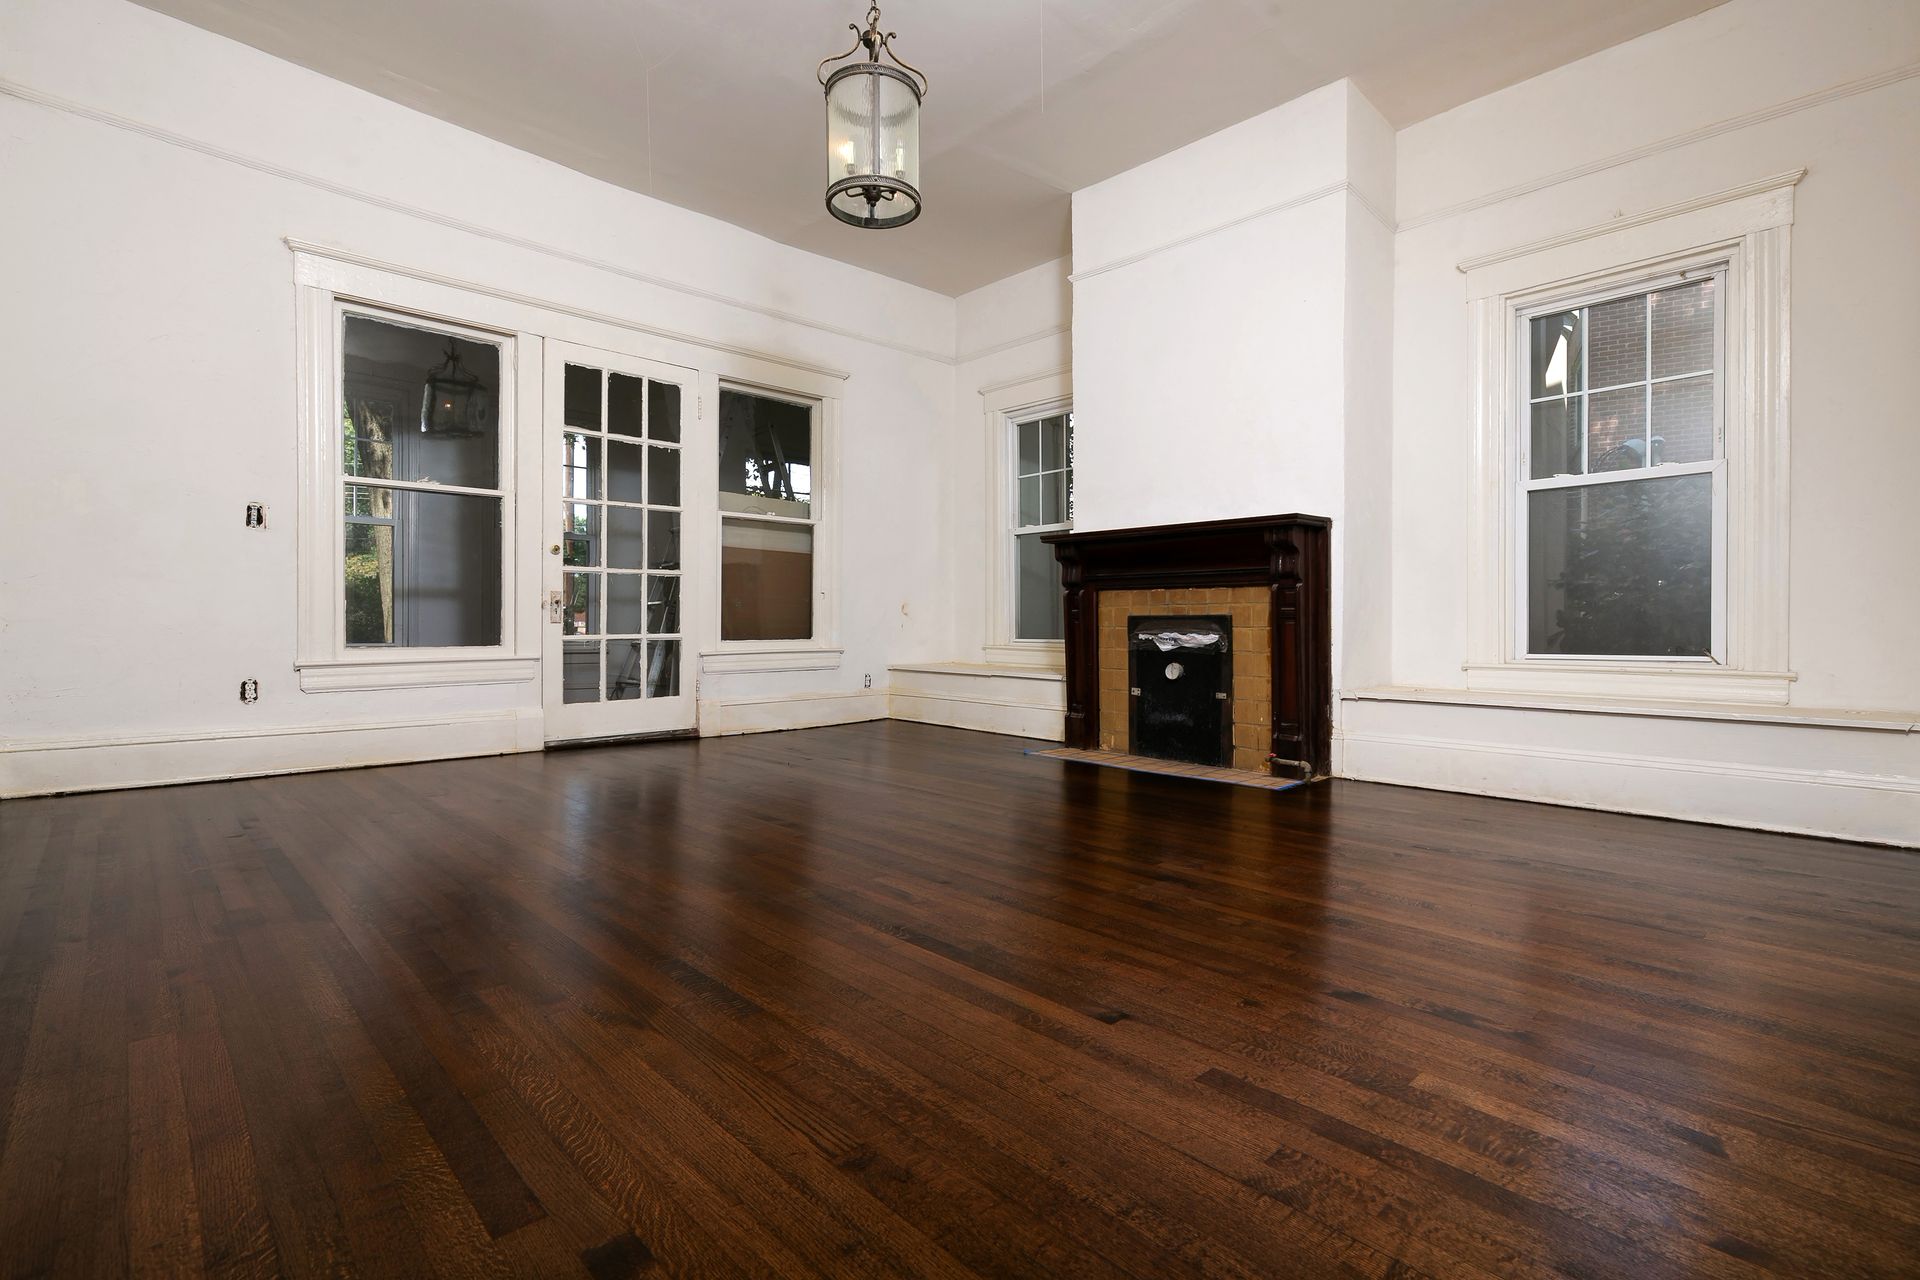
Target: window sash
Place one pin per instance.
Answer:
(1621, 386)
(760, 519)
(344, 478)
(818, 483)
(1616, 477)
(816, 467)
(423, 324)
(1016, 474)
(1015, 528)
(423, 486)
(1715, 466)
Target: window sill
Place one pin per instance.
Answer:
(1661, 681)
(794, 657)
(347, 675)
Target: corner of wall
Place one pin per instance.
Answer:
(1366, 565)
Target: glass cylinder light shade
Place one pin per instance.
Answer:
(455, 402)
(873, 146)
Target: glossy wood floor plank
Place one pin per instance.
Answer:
(892, 1000)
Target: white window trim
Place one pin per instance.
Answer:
(1748, 229)
(823, 650)
(1003, 406)
(322, 271)
(324, 661)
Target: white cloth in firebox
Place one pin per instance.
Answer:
(1168, 641)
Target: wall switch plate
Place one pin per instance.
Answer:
(249, 691)
(256, 515)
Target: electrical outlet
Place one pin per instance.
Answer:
(249, 691)
(256, 515)
(869, 682)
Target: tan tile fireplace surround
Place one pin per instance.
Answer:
(1251, 710)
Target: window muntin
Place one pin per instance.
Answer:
(620, 528)
(1622, 497)
(422, 542)
(1041, 503)
(769, 454)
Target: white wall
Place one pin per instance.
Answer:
(1363, 637)
(152, 172)
(1267, 348)
(1230, 352)
(1016, 329)
(1012, 332)
(1298, 340)
(1742, 92)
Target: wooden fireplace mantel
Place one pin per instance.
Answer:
(1287, 554)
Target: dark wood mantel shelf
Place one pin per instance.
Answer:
(1287, 553)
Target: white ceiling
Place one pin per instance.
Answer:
(714, 106)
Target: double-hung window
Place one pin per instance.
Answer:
(1628, 508)
(410, 465)
(1041, 503)
(1622, 502)
(770, 510)
(421, 492)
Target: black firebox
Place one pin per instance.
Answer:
(1180, 675)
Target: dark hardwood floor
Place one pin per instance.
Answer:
(892, 1000)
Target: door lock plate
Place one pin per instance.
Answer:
(556, 607)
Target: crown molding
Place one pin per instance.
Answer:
(1792, 106)
(332, 253)
(981, 353)
(1342, 187)
(1042, 375)
(27, 93)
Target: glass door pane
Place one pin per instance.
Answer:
(618, 428)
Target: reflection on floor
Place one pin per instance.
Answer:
(894, 1000)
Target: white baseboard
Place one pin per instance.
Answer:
(100, 764)
(763, 714)
(1848, 805)
(989, 715)
(1024, 701)
(1876, 799)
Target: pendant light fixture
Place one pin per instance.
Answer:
(455, 401)
(873, 132)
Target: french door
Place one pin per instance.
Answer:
(621, 591)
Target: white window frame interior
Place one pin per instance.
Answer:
(1742, 234)
(1005, 405)
(324, 274)
(821, 651)
(324, 660)
(1714, 466)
